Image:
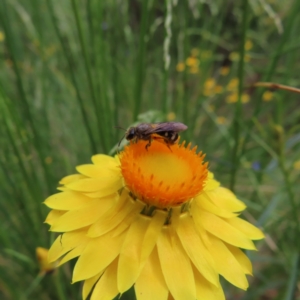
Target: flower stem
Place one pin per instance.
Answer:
(238, 118)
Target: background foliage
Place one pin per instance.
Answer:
(72, 70)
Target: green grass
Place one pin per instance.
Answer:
(70, 71)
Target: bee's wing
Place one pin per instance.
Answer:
(168, 126)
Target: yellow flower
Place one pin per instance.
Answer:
(297, 165)
(267, 96)
(218, 89)
(209, 87)
(194, 70)
(2, 36)
(221, 120)
(233, 98)
(248, 45)
(42, 257)
(245, 98)
(155, 219)
(180, 67)
(48, 160)
(211, 108)
(224, 70)
(234, 56)
(233, 84)
(206, 54)
(192, 62)
(171, 116)
(195, 52)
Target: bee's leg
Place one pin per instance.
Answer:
(168, 145)
(148, 145)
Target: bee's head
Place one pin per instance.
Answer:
(130, 133)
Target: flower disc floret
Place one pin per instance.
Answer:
(161, 176)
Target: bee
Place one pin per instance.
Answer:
(167, 131)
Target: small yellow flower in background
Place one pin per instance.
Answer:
(248, 45)
(171, 116)
(42, 257)
(192, 61)
(224, 70)
(245, 98)
(233, 98)
(48, 160)
(247, 58)
(9, 63)
(154, 219)
(206, 54)
(195, 52)
(221, 120)
(218, 89)
(234, 56)
(2, 36)
(268, 96)
(194, 70)
(211, 108)
(209, 87)
(180, 67)
(297, 165)
(232, 85)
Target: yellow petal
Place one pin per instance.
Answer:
(204, 202)
(113, 218)
(211, 183)
(107, 185)
(105, 161)
(129, 260)
(246, 228)
(124, 225)
(79, 218)
(67, 200)
(242, 258)
(66, 242)
(205, 290)
(70, 178)
(97, 255)
(226, 264)
(53, 216)
(152, 233)
(73, 253)
(176, 266)
(225, 199)
(89, 284)
(224, 231)
(99, 194)
(151, 283)
(106, 287)
(195, 249)
(98, 171)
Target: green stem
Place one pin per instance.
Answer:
(287, 180)
(68, 55)
(99, 114)
(167, 57)
(238, 118)
(140, 68)
(20, 87)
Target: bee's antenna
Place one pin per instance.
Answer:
(119, 127)
(121, 140)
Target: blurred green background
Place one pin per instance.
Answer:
(73, 70)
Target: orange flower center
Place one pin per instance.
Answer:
(161, 176)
